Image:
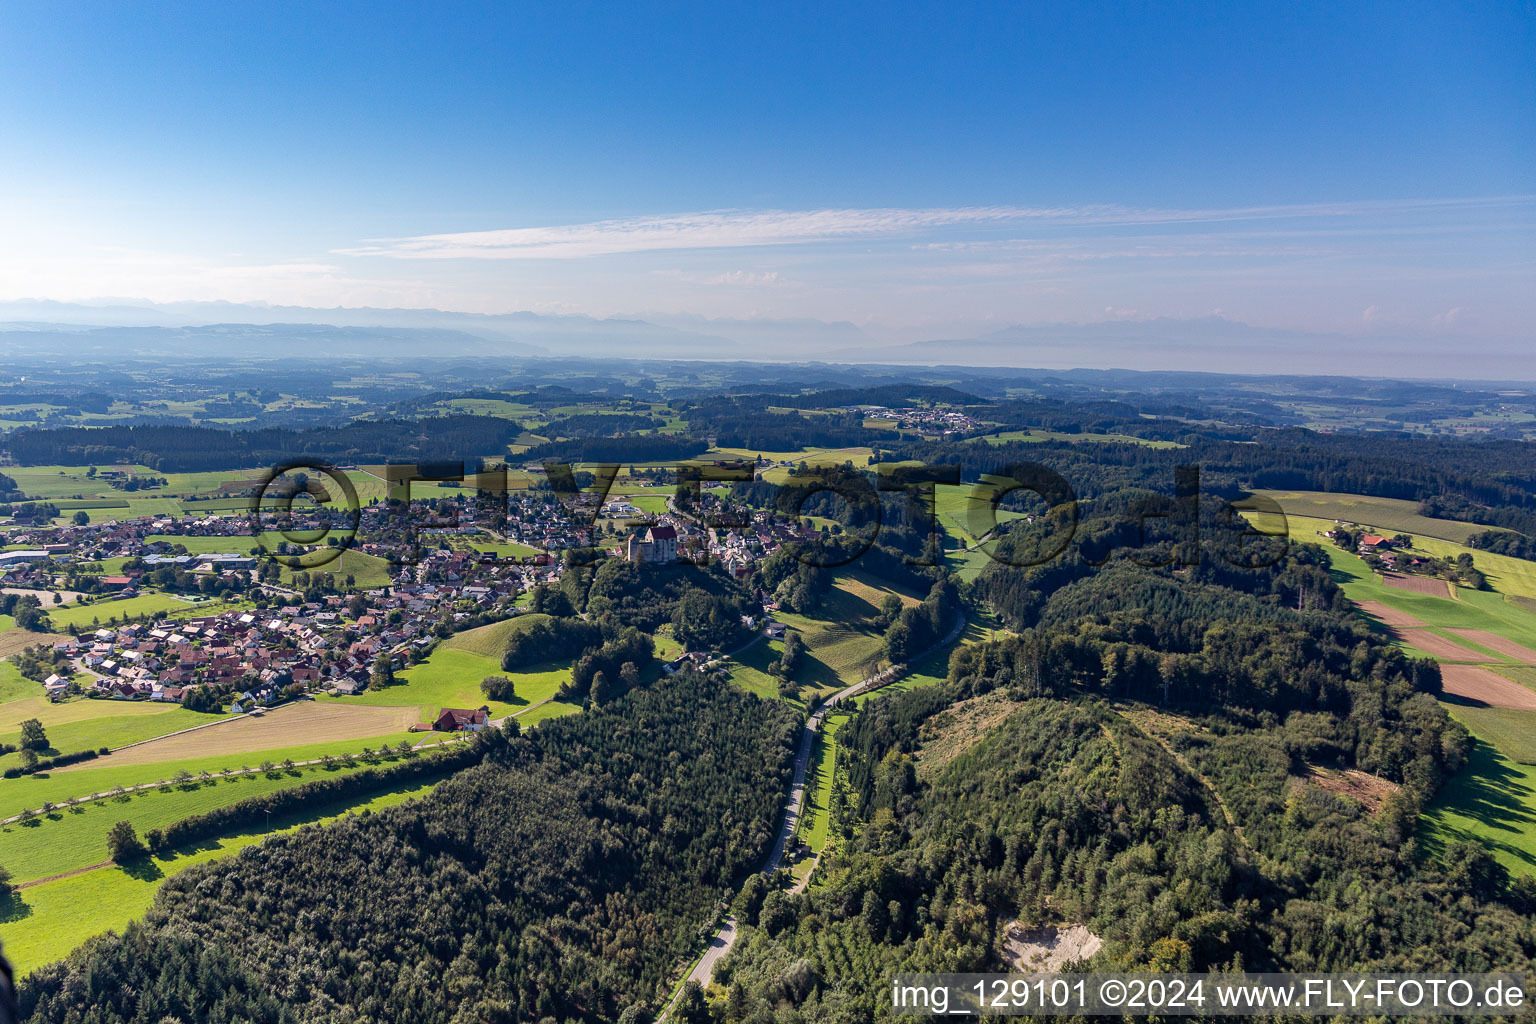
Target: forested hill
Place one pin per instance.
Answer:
(1207, 767)
(561, 879)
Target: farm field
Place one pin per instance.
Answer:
(1471, 609)
(1493, 798)
(245, 735)
(450, 678)
(1512, 731)
(83, 724)
(45, 922)
(13, 639)
(1387, 515)
(1482, 687)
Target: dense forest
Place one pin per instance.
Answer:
(560, 878)
(188, 449)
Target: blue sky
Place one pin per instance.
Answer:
(917, 170)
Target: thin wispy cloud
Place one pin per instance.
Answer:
(740, 229)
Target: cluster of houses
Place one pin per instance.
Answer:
(929, 421)
(262, 657)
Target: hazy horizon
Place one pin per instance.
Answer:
(1374, 202)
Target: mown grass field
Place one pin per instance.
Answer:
(1471, 609)
(1492, 801)
(451, 677)
(1387, 515)
(44, 923)
(103, 612)
(1512, 731)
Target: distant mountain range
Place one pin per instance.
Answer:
(222, 330)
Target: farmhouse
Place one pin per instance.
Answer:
(461, 720)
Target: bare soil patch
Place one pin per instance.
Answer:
(1353, 783)
(1391, 617)
(1441, 648)
(1478, 684)
(1417, 584)
(1048, 949)
(1494, 642)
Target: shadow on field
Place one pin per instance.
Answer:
(1499, 799)
(13, 908)
(144, 869)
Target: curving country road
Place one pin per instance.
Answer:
(725, 936)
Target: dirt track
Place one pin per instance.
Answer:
(1490, 688)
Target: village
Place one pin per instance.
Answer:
(288, 640)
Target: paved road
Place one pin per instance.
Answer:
(725, 937)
